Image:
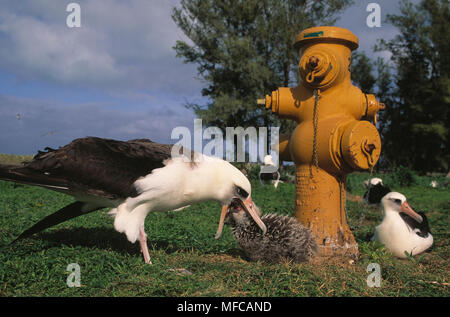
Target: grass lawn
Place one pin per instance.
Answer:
(111, 266)
(14, 159)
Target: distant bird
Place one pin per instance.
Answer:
(435, 184)
(269, 172)
(402, 229)
(134, 177)
(48, 133)
(286, 238)
(375, 191)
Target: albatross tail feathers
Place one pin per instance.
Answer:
(129, 221)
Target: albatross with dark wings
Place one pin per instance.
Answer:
(134, 178)
(402, 229)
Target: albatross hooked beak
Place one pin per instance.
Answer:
(410, 212)
(249, 206)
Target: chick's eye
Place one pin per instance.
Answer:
(398, 201)
(242, 193)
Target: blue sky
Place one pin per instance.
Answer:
(115, 77)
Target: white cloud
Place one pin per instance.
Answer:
(122, 54)
(120, 45)
(28, 125)
(39, 51)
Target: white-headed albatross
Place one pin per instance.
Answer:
(402, 229)
(375, 191)
(269, 172)
(134, 177)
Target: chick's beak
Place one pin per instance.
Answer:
(249, 206)
(410, 212)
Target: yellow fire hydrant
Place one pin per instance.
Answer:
(334, 135)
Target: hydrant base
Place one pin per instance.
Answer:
(320, 206)
(350, 251)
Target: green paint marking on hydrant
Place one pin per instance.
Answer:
(315, 34)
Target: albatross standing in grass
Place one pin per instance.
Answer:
(134, 177)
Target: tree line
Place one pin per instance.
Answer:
(243, 50)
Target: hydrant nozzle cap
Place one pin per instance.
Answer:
(261, 102)
(327, 34)
(267, 102)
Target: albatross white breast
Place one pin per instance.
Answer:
(402, 229)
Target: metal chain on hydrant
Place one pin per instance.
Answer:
(315, 126)
(367, 151)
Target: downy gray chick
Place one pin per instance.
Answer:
(285, 238)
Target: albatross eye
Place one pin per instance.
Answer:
(241, 192)
(397, 201)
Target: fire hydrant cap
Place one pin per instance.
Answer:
(361, 145)
(327, 34)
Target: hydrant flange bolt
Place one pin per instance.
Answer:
(313, 62)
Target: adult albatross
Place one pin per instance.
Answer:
(134, 177)
(402, 229)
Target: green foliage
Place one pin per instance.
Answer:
(416, 122)
(361, 72)
(402, 176)
(287, 173)
(374, 252)
(352, 183)
(251, 170)
(244, 50)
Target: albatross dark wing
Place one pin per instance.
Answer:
(375, 193)
(91, 166)
(73, 210)
(422, 229)
(94, 170)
